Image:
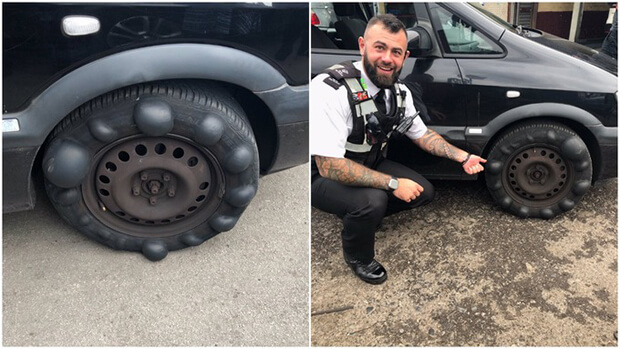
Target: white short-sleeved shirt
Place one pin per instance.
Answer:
(331, 120)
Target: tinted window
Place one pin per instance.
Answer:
(403, 11)
(325, 14)
(457, 36)
(351, 19)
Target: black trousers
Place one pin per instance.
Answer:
(362, 209)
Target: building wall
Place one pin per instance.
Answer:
(555, 18)
(500, 9)
(593, 21)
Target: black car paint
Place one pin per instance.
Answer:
(36, 53)
(37, 58)
(464, 92)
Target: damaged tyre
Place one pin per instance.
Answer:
(539, 170)
(153, 167)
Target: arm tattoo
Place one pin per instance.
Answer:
(433, 143)
(351, 173)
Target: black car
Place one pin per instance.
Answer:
(151, 122)
(541, 109)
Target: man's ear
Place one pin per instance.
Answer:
(361, 43)
(407, 54)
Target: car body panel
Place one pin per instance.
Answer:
(36, 52)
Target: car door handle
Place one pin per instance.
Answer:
(80, 25)
(513, 94)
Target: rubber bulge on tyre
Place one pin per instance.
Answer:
(154, 167)
(539, 170)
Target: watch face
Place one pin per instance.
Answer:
(393, 184)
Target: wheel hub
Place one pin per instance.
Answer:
(537, 173)
(154, 181)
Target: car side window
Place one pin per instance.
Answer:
(405, 12)
(323, 15)
(338, 25)
(458, 36)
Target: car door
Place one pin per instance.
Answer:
(438, 90)
(452, 75)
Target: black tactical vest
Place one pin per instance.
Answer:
(362, 104)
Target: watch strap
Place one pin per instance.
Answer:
(466, 159)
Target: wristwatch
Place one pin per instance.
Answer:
(393, 183)
(466, 159)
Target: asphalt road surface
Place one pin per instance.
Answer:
(245, 287)
(462, 272)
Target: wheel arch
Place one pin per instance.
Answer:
(572, 117)
(146, 64)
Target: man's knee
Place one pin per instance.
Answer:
(428, 194)
(369, 203)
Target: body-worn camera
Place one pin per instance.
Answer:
(375, 133)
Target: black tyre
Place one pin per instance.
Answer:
(153, 167)
(539, 170)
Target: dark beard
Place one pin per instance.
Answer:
(379, 81)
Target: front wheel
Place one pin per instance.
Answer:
(154, 167)
(539, 170)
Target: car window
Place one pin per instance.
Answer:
(403, 11)
(325, 15)
(457, 36)
(492, 16)
(338, 25)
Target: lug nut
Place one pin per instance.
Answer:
(172, 190)
(136, 190)
(154, 187)
(166, 177)
(153, 200)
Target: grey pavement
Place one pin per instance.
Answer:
(462, 272)
(248, 286)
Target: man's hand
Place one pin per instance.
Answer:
(407, 190)
(473, 165)
(434, 144)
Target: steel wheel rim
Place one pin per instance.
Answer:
(177, 181)
(538, 175)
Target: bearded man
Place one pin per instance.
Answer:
(355, 108)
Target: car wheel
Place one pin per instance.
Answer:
(153, 167)
(539, 170)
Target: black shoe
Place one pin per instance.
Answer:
(372, 273)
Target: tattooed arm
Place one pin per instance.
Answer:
(434, 144)
(351, 173)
